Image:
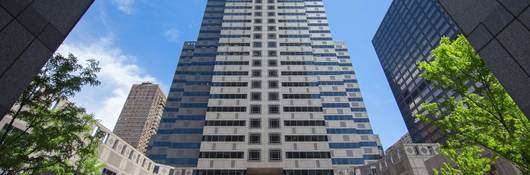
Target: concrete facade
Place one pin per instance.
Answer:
(121, 158)
(407, 34)
(265, 90)
(500, 31)
(140, 116)
(30, 31)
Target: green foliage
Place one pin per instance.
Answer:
(480, 114)
(57, 138)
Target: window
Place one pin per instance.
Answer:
(256, 73)
(256, 84)
(271, 14)
(271, 21)
(227, 109)
(256, 53)
(107, 172)
(225, 123)
(274, 109)
(254, 155)
(273, 84)
(257, 44)
(255, 109)
(274, 96)
(271, 7)
(275, 154)
(302, 109)
(257, 21)
(256, 63)
(272, 44)
(254, 138)
(275, 138)
(273, 63)
(257, 28)
(258, 7)
(257, 36)
(222, 155)
(255, 123)
(123, 149)
(307, 155)
(115, 144)
(255, 96)
(257, 14)
(304, 123)
(271, 28)
(223, 138)
(274, 123)
(306, 138)
(273, 73)
(271, 36)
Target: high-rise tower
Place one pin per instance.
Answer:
(265, 90)
(140, 116)
(408, 33)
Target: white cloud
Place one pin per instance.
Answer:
(118, 73)
(125, 6)
(172, 35)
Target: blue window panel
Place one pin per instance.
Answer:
(207, 83)
(361, 120)
(356, 99)
(177, 161)
(181, 131)
(194, 105)
(335, 105)
(347, 161)
(371, 157)
(178, 145)
(196, 93)
(351, 145)
(345, 64)
(182, 117)
(176, 90)
(347, 131)
(333, 94)
(351, 81)
(353, 90)
(358, 109)
(345, 117)
(174, 99)
(182, 161)
(338, 117)
(331, 83)
(168, 109)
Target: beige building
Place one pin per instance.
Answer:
(407, 158)
(140, 116)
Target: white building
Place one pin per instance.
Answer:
(265, 90)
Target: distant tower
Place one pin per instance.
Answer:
(265, 90)
(140, 115)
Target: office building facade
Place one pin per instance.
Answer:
(265, 90)
(500, 32)
(140, 116)
(407, 34)
(30, 31)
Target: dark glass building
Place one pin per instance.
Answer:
(409, 31)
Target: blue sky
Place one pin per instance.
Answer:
(140, 40)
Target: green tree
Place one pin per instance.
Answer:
(57, 138)
(481, 117)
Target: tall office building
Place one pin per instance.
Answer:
(140, 116)
(409, 31)
(265, 90)
(30, 31)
